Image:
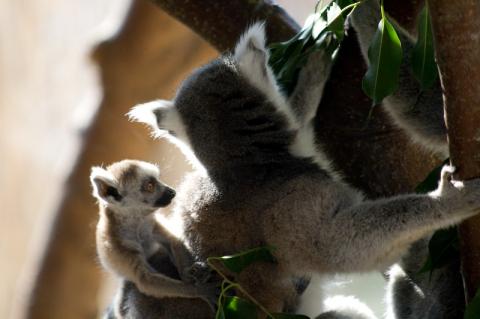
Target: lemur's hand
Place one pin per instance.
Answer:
(464, 194)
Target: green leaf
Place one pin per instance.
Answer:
(288, 316)
(322, 31)
(238, 308)
(236, 263)
(442, 249)
(423, 56)
(430, 183)
(385, 57)
(335, 20)
(309, 26)
(343, 3)
(319, 27)
(473, 308)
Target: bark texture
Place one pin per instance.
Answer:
(456, 26)
(145, 61)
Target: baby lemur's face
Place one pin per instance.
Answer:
(130, 184)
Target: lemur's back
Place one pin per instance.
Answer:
(237, 209)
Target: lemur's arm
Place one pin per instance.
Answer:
(190, 271)
(376, 233)
(128, 259)
(309, 89)
(419, 113)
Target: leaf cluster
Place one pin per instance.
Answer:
(323, 30)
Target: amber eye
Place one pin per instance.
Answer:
(149, 187)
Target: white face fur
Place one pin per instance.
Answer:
(128, 185)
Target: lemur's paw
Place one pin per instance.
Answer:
(445, 186)
(464, 195)
(198, 273)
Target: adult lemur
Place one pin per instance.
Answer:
(412, 295)
(262, 181)
(132, 245)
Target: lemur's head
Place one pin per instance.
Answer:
(230, 111)
(131, 184)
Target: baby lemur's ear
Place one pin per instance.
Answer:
(105, 187)
(160, 115)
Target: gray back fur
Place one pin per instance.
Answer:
(246, 136)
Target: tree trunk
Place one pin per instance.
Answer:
(456, 27)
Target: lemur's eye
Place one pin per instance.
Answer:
(149, 186)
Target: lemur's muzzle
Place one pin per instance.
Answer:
(166, 197)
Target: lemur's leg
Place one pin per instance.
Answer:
(419, 113)
(309, 89)
(304, 102)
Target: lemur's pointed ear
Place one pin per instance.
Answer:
(105, 187)
(160, 115)
(252, 42)
(151, 113)
(251, 52)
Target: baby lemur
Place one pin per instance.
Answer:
(264, 181)
(128, 237)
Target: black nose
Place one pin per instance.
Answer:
(166, 197)
(170, 192)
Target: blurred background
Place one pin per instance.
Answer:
(69, 71)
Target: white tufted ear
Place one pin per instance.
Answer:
(251, 55)
(165, 120)
(252, 43)
(162, 117)
(151, 113)
(104, 185)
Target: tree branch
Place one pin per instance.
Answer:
(222, 22)
(456, 26)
